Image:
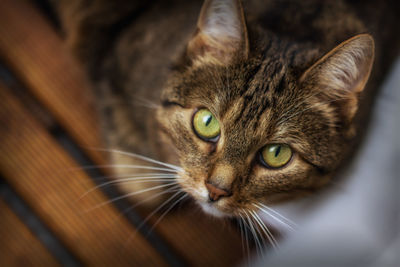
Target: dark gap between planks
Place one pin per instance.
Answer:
(83, 160)
(36, 226)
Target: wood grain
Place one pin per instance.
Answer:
(47, 178)
(34, 51)
(18, 246)
(202, 239)
(37, 54)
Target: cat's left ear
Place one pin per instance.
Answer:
(221, 34)
(340, 76)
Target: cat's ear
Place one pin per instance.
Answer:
(221, 34)
(340, 76)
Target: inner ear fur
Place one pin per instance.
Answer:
(221, 34)
(341, 75)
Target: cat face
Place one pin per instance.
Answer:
(252, 112)
(251, 125)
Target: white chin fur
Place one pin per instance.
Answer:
(207, 208)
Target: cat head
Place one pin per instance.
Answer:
(257, 119)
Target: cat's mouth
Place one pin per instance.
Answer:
(213, 208)
(200, 194)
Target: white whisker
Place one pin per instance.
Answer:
(285, 221)
(127, 166)
(257, 228)
(241, 234)
(246, 238)
(169, 190)
(266, 231)
(145, 103)
(151, 214)
(157, 209)
(169, 208)
(174, 188)
(144, 158)
(165, 178)
(253, 231)
(129, 175)
(131, 194)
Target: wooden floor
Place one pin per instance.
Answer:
(47, 122)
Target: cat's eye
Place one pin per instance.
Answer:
(205, 125)
(276, 155)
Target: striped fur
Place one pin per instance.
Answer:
(282, 73)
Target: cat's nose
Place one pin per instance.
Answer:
(215, 193)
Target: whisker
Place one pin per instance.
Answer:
(128, 175)
(257, 241)
(152, 106)
(169, 190)
(158, 208)
(169, 208)
(127, 166)
(266, 231)
(246, 238)
(144, 158)
(145, 103)
(174, 188)
(241, 234)
(285, 221)
(150, 215)
(257, 228)
(131, 180)
(131, 194)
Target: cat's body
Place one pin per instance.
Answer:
(262, 82)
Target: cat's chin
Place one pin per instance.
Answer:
(210, 209)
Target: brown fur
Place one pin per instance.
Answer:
(273, 85)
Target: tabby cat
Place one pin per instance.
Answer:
(244, 105)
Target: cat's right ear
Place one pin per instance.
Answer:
(221, 34)
(341, 75)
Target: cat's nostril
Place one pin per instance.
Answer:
(215, 193)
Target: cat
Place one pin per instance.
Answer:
(243, 105)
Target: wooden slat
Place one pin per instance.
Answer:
(204, 241)
(37, 54)
(41, 172)
(199, 239)
(18, 246)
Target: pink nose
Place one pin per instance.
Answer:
(216, 193)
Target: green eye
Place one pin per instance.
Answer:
(206, 125)
(276, 155)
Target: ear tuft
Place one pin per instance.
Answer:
(343, 73)
(221, 33)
